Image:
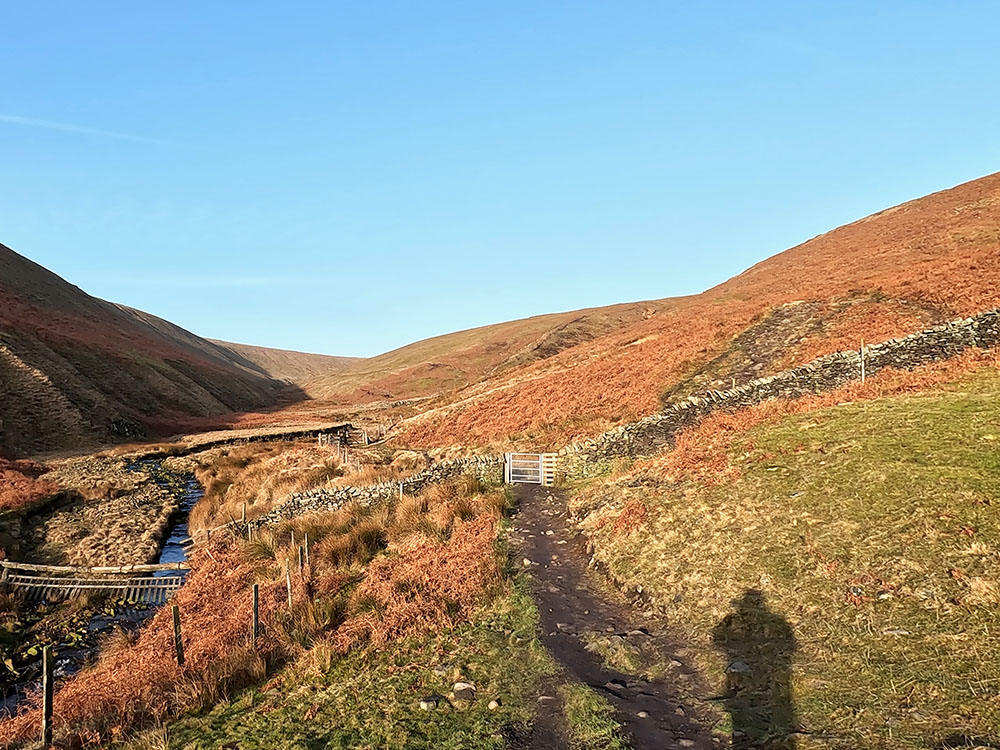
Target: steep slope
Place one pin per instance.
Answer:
(76, 370)
(891, 273)
(291, 366)
(459, 359)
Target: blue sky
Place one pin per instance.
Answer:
(350, 177)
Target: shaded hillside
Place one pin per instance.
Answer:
(456, 360)
(891, 273)
(291, 366)
(76, 370)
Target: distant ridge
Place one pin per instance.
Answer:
(287, 365)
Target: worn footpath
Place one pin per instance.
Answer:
(599, 640)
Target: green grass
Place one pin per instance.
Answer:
(370, 697)
(590, 720)
(872, 531)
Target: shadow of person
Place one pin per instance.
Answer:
(759, 646)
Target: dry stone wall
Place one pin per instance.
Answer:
(488, 469)
(648, 435)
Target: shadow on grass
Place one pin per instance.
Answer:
(956, 741)
(759, 645)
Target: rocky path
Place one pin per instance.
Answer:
(587, 629)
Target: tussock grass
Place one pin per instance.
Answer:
(262, 475)
(590, 720)
(368, 697)
(870, 531)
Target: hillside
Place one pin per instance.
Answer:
(864, 533)
(76, 370)
(291, 366)
(891, 273)
(456, 360)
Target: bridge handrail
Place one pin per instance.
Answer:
(96, 570)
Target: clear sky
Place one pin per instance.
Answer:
(349, 177)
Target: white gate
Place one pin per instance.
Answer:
(530, 468)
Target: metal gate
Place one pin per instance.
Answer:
(530, 468)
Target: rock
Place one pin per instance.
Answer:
(527, 563)
(679, 711)
(685, 742)
(493, 705)
(676, 664)
(464, 691)
(642, 715)
(738, 667)
(431, 702)
(443, 670)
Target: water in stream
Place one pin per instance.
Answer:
(71, 658)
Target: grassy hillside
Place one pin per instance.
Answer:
(459, 359)
(894, 272)
(838, 573)
(294, 367)
(76, 370)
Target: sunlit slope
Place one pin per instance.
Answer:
(859, 543)
(891, 273)
(456, 360)
(76, 370)
(283, 364)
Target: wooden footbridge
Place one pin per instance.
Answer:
(148, 584)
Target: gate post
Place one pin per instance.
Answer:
(506, 468)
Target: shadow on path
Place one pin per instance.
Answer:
(759, 646)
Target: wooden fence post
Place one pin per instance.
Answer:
(243, 519)
(255, 621)
(307, 548)
(288, 584)
(47, 697)
(862, 360)
(178, 642)
(302, 559)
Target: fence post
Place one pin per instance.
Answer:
(307, 548)
(255, 621)
(243, 518)
(862, 360)
(47, 697)
(178, 642)
(302, 560)
(288, 584)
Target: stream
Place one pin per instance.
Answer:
(85, 643)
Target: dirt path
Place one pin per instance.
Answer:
(577, 612)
